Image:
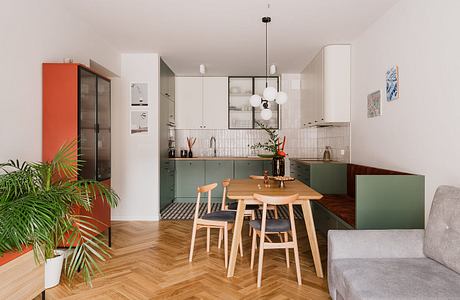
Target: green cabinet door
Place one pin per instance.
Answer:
(164, 184)
(268, 166)
(189, 176)
(245, 168)
(216, 171)
(329, 178)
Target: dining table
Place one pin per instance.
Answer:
(243, 190)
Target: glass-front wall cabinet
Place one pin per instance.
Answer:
(94, 126)
(241, 115)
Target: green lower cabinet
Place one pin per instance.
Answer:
(189, 176)
(245, 168)
(329, 178)
(167, 183)
(216, 171)
(268, 166)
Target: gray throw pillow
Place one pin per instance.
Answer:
(442, 236)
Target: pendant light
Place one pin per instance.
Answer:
(270, 93)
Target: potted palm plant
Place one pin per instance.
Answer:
(37, 207)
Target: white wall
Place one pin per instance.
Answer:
(135, 158)
(420, 132)
(33, 32)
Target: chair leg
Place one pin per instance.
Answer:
(241, 245)
(253, 217)
(276, 212)
(226, 246)
(208, 239)
(287, 249)
(192, 246)
(261, 259)
(220, 238)
(253, 248)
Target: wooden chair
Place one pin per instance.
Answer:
(270, 207)
(276, 226)
(222, 220)
(248, 212)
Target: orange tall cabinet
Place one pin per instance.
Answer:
(76, 106)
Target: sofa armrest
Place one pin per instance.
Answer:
(375, 243)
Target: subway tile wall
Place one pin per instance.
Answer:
(301, 143)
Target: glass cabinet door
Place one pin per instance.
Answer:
(103, 135)
(241, 115)
(240, 112)
(87, 123)
(259, 86)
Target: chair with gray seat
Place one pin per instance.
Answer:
(279, 227)
(400, 264)
(222, 220)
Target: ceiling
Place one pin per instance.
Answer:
(228, 36)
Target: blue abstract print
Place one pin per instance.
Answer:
(392, 78)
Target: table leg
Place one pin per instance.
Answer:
(311, 231)
(236, 237)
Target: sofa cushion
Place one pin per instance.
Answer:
(394, 278)
(442, 237)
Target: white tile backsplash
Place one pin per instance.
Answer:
(304, 142)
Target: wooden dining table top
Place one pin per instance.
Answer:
(244, 189)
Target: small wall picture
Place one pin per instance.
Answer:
(139, 94)
(392, 78)
(139, 122)
(374, 104)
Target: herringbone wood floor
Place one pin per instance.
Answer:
(150, 261)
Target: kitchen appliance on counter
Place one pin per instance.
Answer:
(327, 153)
(171, 141)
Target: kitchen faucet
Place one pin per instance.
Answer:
(213, 145)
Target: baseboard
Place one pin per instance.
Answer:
(135, 218)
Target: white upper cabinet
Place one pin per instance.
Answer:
(325, 91)
(215, 102)
(201, 102)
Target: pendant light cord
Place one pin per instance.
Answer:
(266, 54)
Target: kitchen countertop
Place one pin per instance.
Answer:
(315, 161)
(220, 158)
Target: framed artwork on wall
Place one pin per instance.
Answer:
(139, 122)
(392, 83)
(139, 94)
(374, 104)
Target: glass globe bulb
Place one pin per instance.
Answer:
(281, 98)
(255, 100)
(270, 93)
(266, 114)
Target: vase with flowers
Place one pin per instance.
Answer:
(275, 148)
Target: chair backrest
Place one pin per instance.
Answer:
(204, 189)
(256, 177)
(225, 184)
(276, 200)
(442, 242)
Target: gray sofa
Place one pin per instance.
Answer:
(400, 264)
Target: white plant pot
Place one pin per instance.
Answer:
(53, 269)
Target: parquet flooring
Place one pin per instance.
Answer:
(150, 261)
